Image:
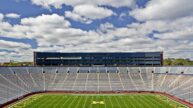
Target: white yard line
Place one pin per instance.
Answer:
(156, 102)
(110, 101)
(144, 102)
(85, 102)
(130, 102)
(121, 99)
(66, 101)
(74, 99)
(60, 101)
(49, 101)
(149, 102)
(78, 102)
(91, 102)
(117, 101)
(104, 101)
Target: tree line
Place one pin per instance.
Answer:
(17, 64)
(177, 62)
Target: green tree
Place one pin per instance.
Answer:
(177, 62)
(167, 62)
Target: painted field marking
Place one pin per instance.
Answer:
(98, 102)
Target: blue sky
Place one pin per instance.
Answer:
(26, 9)
(98, 25)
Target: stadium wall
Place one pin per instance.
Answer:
(18, 81)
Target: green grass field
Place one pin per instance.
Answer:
(97, 101)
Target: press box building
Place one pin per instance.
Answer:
(98, 58)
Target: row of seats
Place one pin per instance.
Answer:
(17, 81)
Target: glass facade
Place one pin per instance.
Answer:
(98, 59)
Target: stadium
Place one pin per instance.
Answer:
(97, 86)
(96, 53)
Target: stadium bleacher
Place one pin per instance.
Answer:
(18, 81)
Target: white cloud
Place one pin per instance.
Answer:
(54, 33)
(34, 26)
(12, 45)
(185, 34)
(77, 17)
(15, 51)
(86, 13)
(16, 56)
(46, 29)
(92, 12)
(179, 29)
(59, 3)
(46, 20)
(164, 10)
(12, 15)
